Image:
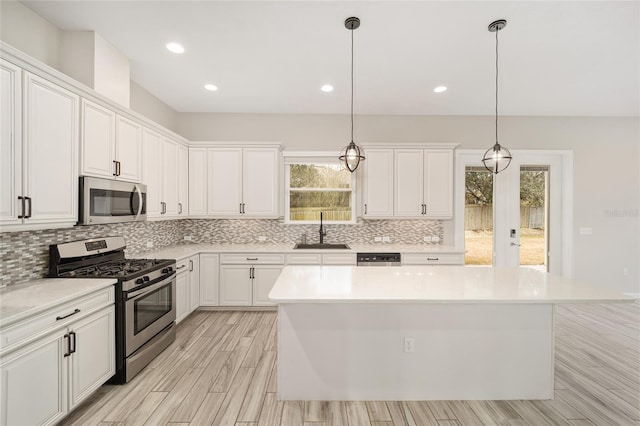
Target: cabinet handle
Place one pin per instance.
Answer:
(22, 202)
(119, 168)
(240, 207)
(425, 209)
(252, 258)
(179, 208)
(68, 315)
(180, 267)
(30, 207)
(252, 273)
(73, 348)
(190, 265)
(115, 168)
(243, 212)
(163, 207)
(365, 209)
(433, 258)
(66, 354)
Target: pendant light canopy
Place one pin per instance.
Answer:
(352, 154)
(497, 158)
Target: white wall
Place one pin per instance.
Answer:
(25, 30)
(151, 107)
(606, 177)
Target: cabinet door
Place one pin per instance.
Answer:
(51, 151)
(409, 182)
(129, 149)
(260, 182)
(152, 171)
(265, 278)
(209, 276)
(438, 183)
(10, 143)
(182, 296)
(235, 285)
(197, 181)
(378, 183)
(183, 181)
(170, 177)
(34, 383)
(224, 181)
(93, 361)
(98, 140)
(194, 282)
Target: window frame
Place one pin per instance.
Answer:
(315, 159)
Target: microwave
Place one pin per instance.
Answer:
(111, 201)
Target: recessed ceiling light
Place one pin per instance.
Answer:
(327, 88)
(440, 89)
(211, 87)
(175, 47)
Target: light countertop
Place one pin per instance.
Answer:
(185, 250)
(21, 301)
(431, 284)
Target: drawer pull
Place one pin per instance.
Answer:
(180, 267)
(68, 315)
(252, 258)
(433, 258)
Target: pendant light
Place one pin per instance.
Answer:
(497, 158)
(352, 154)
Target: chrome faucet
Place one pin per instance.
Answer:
(322, 230)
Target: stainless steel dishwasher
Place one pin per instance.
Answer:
(378, 259)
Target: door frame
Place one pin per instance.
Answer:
(560, 242)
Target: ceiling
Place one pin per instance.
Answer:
(556, 58)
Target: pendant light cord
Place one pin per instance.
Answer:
(352, 85)
(497, 31)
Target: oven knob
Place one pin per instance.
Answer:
(146, 278)
(139, 281)
(167, 270)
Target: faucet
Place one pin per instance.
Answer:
(322, 230)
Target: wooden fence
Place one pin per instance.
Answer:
(478, 217)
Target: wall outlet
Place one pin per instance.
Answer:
(386, 239)
(409, 344)
(377, 239)
(187, 237)
(427, 239)
(435, 239)
(585, 231)
(149, 244)
(262, 238)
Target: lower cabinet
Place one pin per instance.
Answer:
(264, 278)
(45, 379)
(187, 286)
(209, 276)
(247, 279)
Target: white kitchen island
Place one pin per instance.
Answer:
(479, 333)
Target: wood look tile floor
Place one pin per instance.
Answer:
(221, 371)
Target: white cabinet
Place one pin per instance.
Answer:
(209, 276)
(183, 181)
(39, 152)
(247, 279)
(339, 259)
(152, 171)
(423, 185)
(377, 179)
(433, 258)
(187, 286)
(111, 145)
(170, 164)
(239, 182)
(48, 368)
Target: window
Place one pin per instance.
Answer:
(314, 187)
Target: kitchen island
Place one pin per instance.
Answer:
(420, 332)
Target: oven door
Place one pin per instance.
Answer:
(109, 201)
(148, 311)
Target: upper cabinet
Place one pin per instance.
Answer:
(111, 144)
(39, 146)
(408, 182)
(234, 182)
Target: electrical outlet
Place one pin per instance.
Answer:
(585, 231)
(377, 239)
(262, 238)
(187, 237)
(149, 244)
(386, 239)
(409, 344)
(435, 239)
(427, 239)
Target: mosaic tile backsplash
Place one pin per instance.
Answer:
(24, 255)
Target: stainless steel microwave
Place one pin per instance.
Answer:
(111, 201)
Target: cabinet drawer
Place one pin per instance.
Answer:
(432, 259)
(27, 330)
(339, 259)
(304, 259)
(182, 265)
(252, 259)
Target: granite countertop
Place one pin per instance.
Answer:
(432, 284)
(185, 250)
(25, 300)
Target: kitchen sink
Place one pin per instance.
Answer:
(322, 246)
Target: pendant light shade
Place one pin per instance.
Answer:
(497, 158)
(352, 154)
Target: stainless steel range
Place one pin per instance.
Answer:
(145, 296)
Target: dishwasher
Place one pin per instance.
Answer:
(378, 259)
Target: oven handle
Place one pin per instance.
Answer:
(151, 287)
(136, 188)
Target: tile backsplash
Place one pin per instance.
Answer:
(24, 255)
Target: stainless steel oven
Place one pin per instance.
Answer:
(111, 201)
